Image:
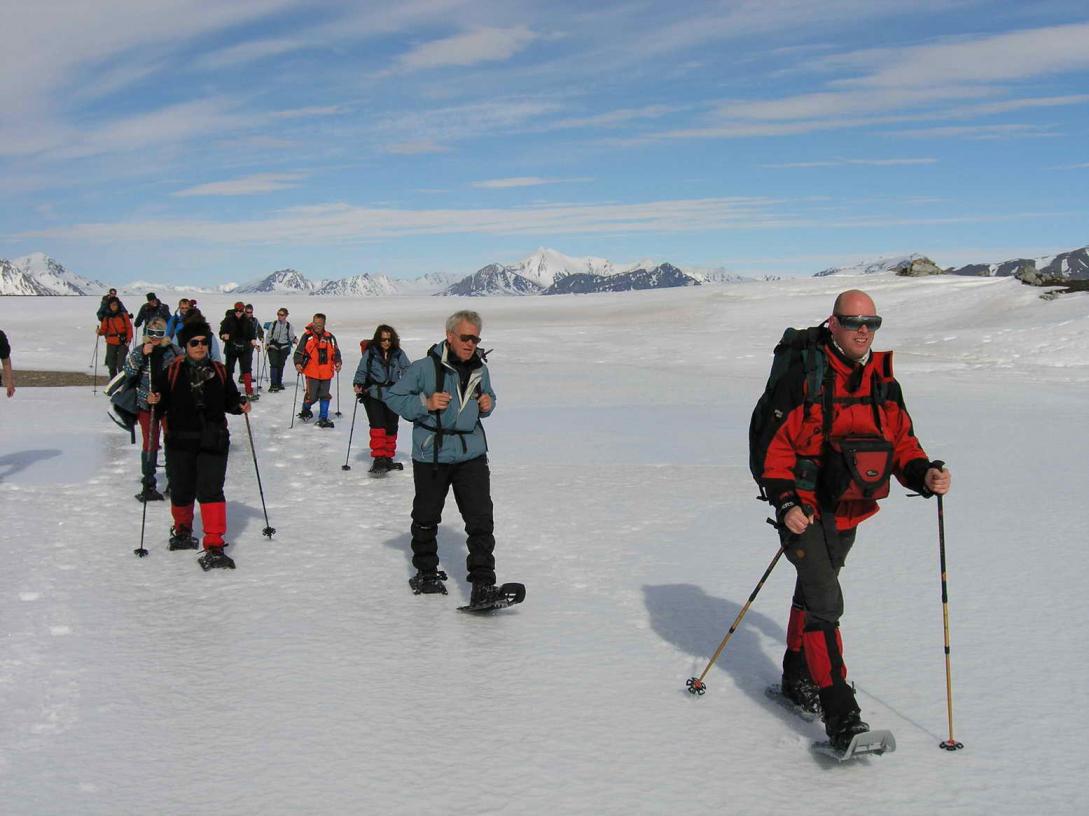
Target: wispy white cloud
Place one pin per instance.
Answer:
(247, 185)
(616, 118)
(246, 52)
(470, 48)
(344, 223)
(310, 112)
(849, 162)
(415, 147)
(524, 181)
(453, 123)
(979, 132)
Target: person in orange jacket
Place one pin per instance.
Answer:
(117, 329)
(318, 357)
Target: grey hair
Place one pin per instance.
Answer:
(466, 315)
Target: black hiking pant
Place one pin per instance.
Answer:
(244, 356)
(817, 588)
(195, 475)
(472, 491)
(380, 415)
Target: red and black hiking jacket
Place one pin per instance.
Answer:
(195, 417)
(866, 401)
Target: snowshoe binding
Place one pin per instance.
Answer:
(488, 596)
(428, 583)
(215, 558)
(305, 415)
(182, 538)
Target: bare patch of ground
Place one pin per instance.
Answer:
(25, 378)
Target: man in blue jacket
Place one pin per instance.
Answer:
(445, 394)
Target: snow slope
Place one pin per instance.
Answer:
(310, 680)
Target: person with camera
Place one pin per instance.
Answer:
(317, 357)
(239, 336)
(194, 395)
(154, 354)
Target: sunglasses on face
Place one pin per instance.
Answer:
(157, 333)
(198, 341)
(249, 311)
(385, 339)
(856, 322)
(469, 338)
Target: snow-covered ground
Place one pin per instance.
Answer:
(311, 681)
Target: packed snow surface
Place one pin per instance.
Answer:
(311, 681)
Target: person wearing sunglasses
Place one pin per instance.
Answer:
(382, 365)
(827, 464)
(239, 338)
(318, 357)
(279, 338)
(445, 395)
(193, 395)
(155, 353)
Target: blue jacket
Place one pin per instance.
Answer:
(378, 374)
(173, 324)
(457, 435)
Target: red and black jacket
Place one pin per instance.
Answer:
(866, 401)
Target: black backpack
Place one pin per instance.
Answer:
(804, 347)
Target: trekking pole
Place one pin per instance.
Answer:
(346, 466)
(140, 551)
(950, 744)
(337, 412)
(269, 530)
(295, 400)
(94, 354)
(94, 380)
(695, 684)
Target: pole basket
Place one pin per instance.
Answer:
(269, 531)
(141, 552)
(950, 745)
(696, 686)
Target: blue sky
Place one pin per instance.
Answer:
(202, 141)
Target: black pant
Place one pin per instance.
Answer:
(277, 358)
(818, 563)
(115, 358)
(195, 475)
(380, 415)
(244, 356)
(472, 491)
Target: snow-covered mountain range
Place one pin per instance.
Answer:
(38, 274)
(1049, 269)
(282, 280)
(912, 265)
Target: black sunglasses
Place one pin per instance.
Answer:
(156, 332)
(198, 341)
(856, 322)
(469, 338)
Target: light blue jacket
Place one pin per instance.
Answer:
(378, 374)
(455, 434)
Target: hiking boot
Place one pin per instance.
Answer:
(324, 423)
(379, 465)
(842, 717)
(429, 582)
(306, 413)
(215, 558)
(391, 465)
(149, 494)
(484, 593)
(182, 538)
(797, 686)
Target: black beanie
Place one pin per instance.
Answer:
(195, 329)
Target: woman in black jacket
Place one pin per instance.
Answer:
(194, 395)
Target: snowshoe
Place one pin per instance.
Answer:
(775, 692)
(182, 538)
(305, 414)
(215, 558)
(428, 583)
(379, 466)
(149, 494)
(862, 743)
(486, 597)
(391, 465)
(324, 423)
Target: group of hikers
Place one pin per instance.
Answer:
(829, 431)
